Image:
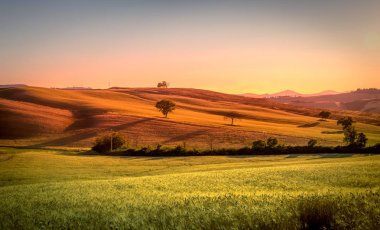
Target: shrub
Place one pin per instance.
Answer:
(324, 114)
(272, 142)
(312, 143)
(259, 144)
(103, 143)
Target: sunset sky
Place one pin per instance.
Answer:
(229, 46)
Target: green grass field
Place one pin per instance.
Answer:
(64, 189)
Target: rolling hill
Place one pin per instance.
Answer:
(40, 117)
(289, 93)
(360, 100)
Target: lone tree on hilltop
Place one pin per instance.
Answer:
(232, 116)
(324, 114)
(346, 122)
(165, 107)
(163, 84)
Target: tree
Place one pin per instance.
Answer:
(272, 142)
(361, 140)
(163, 84)
(350, 135)
(324, 114)
(345, 122)
(232, 116)
(165, 107)
(109, 142)
(311, 143)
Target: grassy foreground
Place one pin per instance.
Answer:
(63, 189)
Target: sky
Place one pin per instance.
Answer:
(227, 46)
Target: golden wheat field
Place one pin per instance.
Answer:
(60, 189)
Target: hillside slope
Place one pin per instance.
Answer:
(360, 100)
(52, 117)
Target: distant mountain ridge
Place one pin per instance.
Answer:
(364, 100)
(289, 93)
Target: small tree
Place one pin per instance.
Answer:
(109, 142)
(163, 84)
(350, 135)
(311, 143)
(165, 107)
(232, 116)
(324, 114)
(361, 140)
(345, 122)
(272, 142)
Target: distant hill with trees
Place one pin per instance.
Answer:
(364, 100)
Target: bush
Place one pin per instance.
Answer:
(272, 142)
(103, 143)
(258, 145)
(324, 114)
(312, 143)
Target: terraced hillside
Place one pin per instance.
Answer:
(32, 116)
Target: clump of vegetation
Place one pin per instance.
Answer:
(351, 136)
(165, 107)
(272, 142)
(259, 144)
(345, 122)
(361, 140)
(311, 143)
(324, 115)
(163, 84)
(109, 142)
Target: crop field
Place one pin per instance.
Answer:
(65, 189)
(40, 117)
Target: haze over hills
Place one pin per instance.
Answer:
(289, 93)
(32, 116)
(365, 100)
(12, 85)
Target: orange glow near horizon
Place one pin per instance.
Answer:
(228, 56)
